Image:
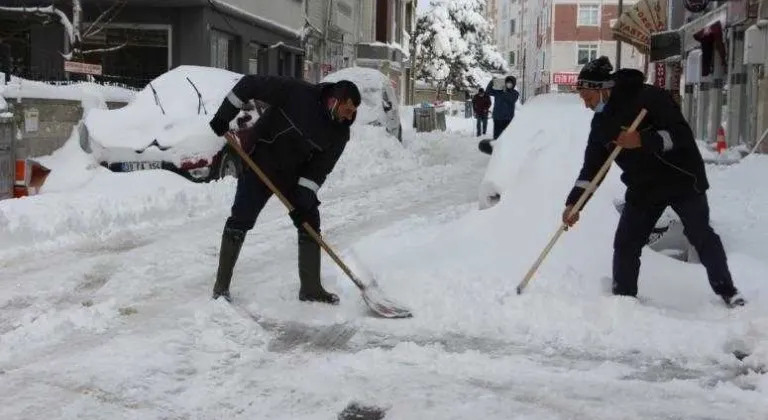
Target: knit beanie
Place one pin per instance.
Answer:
(596, 74)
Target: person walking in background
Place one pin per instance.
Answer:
(504, 104)
(481, 103)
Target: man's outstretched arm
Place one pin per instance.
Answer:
(272, 90)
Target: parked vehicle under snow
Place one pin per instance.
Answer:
(165, 126)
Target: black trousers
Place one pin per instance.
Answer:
(482, 122)
(636, 224)
(499, 126)
(252, 195)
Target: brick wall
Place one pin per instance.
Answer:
(566, 29)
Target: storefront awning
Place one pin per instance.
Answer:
(636, 25)
(690, 29)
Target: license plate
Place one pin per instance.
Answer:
(141, 166)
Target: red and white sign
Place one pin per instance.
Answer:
(84, 68)
(564, 78)
(661, 75)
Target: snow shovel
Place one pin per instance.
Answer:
(372, 295)
(577, 207)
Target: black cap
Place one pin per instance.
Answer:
(596, 74)
(344, 89)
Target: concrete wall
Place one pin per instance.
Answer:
(289, 13)
(56, 118)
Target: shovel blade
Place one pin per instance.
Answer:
(372, 294)
(383, 306)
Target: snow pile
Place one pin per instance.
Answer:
(71, 168)
(79, 91)
(370, 153)
(565, 309)
(517, 150)
(82, 200)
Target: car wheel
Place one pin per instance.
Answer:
(230, 164)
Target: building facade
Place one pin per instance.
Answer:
(332, 31)
(723, 52)
(385, 41)
(509, 25)
(547, 42)
(581, 31)
(239, 35)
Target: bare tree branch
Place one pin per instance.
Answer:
(73, 28)
(93, 29)
(103, 50)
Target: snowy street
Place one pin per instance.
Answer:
(106, 309)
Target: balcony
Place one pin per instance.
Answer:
(379, 51)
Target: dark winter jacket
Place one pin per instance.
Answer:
(504, 105)
(669, 163)
(295, 137)
(481, 105)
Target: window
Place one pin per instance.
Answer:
(511, 26)
(254, 50)
(221, 50)
(586, 53)
(588, 15)
(511, 58)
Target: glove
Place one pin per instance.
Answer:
(305, 204)
(219, 126)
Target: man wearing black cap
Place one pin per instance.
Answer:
(661, 165)
(296, 142)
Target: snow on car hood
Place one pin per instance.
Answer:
(183, 126)
(369, 81)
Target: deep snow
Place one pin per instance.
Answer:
(106, 310)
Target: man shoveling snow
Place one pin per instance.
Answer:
(661, 165)
(296, 143)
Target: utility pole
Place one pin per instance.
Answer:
(618, 43)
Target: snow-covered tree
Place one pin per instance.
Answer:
(454, 45)
(74, 31)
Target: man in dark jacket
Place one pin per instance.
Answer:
(296, 142)
(481, 103)
(504, 104)
(661, 165)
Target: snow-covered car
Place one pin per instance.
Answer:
(380, 105)
(165, 126)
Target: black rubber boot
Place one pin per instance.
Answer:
(309, 273)
(231, 242)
